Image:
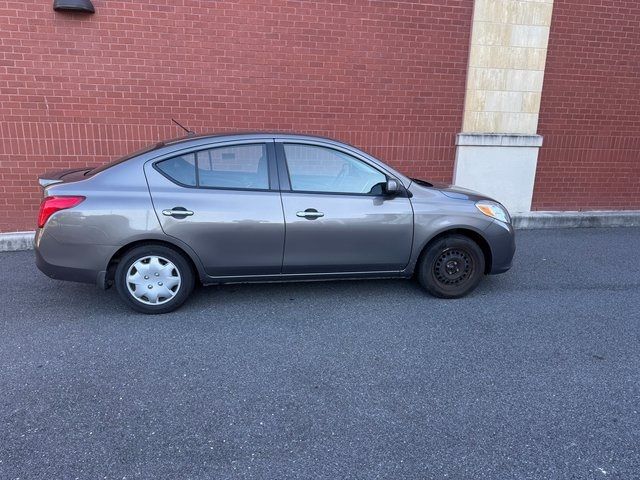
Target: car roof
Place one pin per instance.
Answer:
(250, 134)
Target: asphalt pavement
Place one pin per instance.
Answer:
(536, 375)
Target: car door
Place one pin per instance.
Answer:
(337, 217)
(224, 202)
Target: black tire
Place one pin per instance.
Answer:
(182, 272)
(451, 267)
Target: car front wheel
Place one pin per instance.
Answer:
(451, 267)
(154, 279)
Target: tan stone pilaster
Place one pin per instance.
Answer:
(504, 85)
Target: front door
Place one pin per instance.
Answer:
(224, 203)
(338, 218)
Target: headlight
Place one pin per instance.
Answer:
(493, 210)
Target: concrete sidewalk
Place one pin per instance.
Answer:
(599, 218)
(16, 241)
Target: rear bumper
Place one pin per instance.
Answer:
(66, 273)
(75, 262)
(502, 241)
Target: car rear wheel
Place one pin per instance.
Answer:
(451, 267)
(154, 279)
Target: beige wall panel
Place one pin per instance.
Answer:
(506, 65)
(504, 84)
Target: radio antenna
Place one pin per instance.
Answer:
(190, 133)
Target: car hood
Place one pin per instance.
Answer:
(451, 191)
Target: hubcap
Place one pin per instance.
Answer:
(453, 267)
(153, 280)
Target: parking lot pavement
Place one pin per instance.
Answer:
(535, 375)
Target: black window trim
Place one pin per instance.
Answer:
(271, 167)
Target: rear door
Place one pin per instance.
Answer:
(223, 201)
(337, 217)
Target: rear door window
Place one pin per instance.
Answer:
(236, 167)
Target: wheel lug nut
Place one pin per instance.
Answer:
(157, 274)
(146, 277)
(160, 283)
(150, 287)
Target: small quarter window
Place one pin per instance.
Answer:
(180, 169)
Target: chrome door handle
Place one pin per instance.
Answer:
(177, 212)
(310, 213)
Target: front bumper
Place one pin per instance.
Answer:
(502, 241)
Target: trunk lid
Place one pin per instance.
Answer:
(63, 176)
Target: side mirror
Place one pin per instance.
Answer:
(392, 187)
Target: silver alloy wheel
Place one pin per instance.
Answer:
(153, 280)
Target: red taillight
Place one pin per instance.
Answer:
(51, 205)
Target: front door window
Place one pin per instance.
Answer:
(325, 170)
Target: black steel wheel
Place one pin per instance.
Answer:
(451, 267)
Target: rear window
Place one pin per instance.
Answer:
(123, 159)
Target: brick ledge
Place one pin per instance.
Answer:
(498, 140)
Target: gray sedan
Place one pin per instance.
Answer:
(261, 207)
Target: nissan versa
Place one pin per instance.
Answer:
(261, 207)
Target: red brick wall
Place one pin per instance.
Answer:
(590, 112)
(387, 76)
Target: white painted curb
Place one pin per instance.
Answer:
(11, 242)
(591, 219)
